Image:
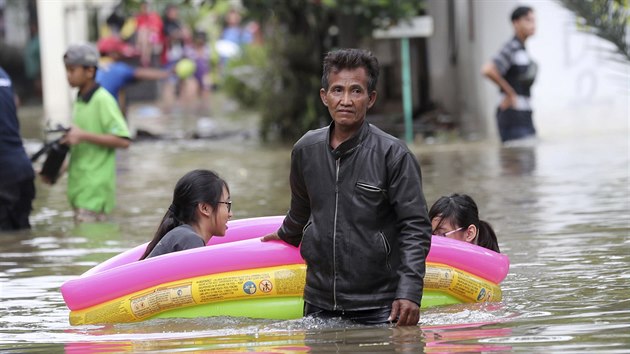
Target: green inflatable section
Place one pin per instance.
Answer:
(431, 298)
(276, 308)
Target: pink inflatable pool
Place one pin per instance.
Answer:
(240, 249)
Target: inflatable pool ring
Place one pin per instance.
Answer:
(237, 275)
(185, 68)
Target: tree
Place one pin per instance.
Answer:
(302, 31)
(608, 19)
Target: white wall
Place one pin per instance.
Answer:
(578, 91)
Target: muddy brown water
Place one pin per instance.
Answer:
(561, 209)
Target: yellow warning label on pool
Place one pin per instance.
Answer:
(463, 285)
(241, 284)
(161, 299)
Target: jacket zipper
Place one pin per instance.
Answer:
(335, 235)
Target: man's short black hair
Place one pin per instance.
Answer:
(520, 12)
(351, 58)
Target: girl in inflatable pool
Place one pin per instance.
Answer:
(456, 216)
(201, 208)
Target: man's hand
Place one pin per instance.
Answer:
(270, 237)
(406, 311)
(490, 71)
(509, 101)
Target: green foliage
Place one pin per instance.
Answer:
(244, 76)
(608, 19)
(298, 34)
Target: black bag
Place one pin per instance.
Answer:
(56, 155)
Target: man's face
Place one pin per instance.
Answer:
(347, 97)
(526, 25)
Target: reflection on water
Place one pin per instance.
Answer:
(560, 210)
(297, 336)
(518, 161)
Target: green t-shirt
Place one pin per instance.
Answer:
(92, 168)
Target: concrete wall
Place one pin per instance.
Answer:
(442, 73)
(493, 28)
(579, 89)
(480, 27)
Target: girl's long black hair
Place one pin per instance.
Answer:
(461, 210)
(197, 186)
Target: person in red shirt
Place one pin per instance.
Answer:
(149, 28)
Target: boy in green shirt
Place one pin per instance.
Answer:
(98, 128)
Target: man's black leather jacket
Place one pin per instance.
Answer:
(359, 213)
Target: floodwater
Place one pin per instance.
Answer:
(561, 210)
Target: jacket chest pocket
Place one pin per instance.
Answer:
(370, 195)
